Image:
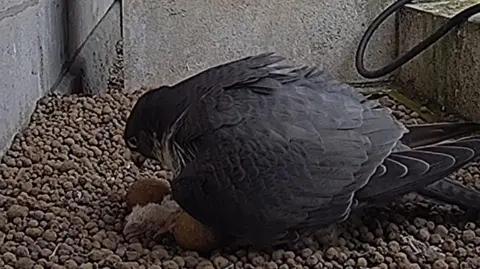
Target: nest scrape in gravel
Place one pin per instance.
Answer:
(64, 179)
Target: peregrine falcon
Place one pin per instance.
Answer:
(260, 150)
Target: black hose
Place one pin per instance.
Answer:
(409, 55)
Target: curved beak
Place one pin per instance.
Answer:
(137, 158)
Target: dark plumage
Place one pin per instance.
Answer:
(260, 150)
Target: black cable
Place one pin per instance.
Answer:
(409, 55)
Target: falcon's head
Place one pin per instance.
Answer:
(151, 127)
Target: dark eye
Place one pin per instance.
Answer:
(132, 142)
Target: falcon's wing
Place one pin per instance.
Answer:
(447, 190)
(257, 189)
(432, 133)
(246, 70)
(418, 168)
(453, 192)
(286, 151)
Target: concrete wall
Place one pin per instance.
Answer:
(67, 46)
(447, 73)
(40, 42)
(165, 41)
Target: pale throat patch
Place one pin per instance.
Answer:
(168, 153)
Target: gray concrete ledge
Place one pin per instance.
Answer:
(166, 41)
(448, 73)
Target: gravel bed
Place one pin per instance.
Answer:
(64, 179)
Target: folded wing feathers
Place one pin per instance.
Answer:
(380, 178)
(431, 133)
(248, 69)
(454, 192)
(439, 160)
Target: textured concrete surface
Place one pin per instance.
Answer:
(83, 16)
(447, 73)
(89, 71)
(35, 52)
(166, 40)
